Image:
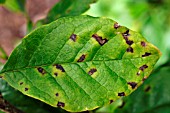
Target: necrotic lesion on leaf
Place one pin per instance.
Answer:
(70, 52)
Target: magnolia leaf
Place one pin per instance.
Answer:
(68, 8)
(80, 63)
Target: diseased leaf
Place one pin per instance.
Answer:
(68, 8)
(152, 97)
(80, 63)
(23, 102)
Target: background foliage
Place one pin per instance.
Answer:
(150, 17)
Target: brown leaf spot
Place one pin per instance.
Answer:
(73, 37)
(132, 84)
(116, 25)
(121, 94)
(93, 70)
(61, 104)
(20, 83)
(57, 94)
(130, 49)
(41, 70)
(142, 68)
(129, 42)
(126, 34)
(56, 74)
(81, 59)
(147, 89)
(143, 43)
(58, 66)
(123, 104)
(111, 101)
(99, 39)
(26, 89)
(146, 54)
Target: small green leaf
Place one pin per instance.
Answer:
(152, 97)
(68, 8)
(80, 63)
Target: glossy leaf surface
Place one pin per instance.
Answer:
(80, 63)
(23, 102)
(152, 97)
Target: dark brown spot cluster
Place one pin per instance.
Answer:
(41, 70)
(58, 66)
(129, 42)
(73, 37)
(142, 68)
(99, 39)
(130, 49)
(147, 89)
(26, 89)
(93, 70)
(146, 54)
(132, 84)
(81, 59)
(143, 44)
(60, 104)
(121, 94)
(126, 34)
(116, 25)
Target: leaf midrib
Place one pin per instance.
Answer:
(73, 63)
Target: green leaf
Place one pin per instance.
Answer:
(80, 63)
(68, 8)
(23, 102)
(15, 5)
(152, 97)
